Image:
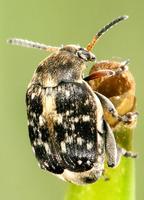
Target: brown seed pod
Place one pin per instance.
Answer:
(119, 89)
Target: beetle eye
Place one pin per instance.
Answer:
(85, 55)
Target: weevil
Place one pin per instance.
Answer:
(68, 133)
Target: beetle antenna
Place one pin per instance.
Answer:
(31, 44)
(103, 30)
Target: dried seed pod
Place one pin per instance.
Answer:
(119, 89)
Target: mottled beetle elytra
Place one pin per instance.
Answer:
(67, 129)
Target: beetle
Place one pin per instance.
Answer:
(67, 129)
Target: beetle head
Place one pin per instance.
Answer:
(79, 52)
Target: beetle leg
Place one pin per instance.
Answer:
(106, 103)
(113, 151)
(123, 152)
(107, 72)
(99, 74)
(105, 175)
(110, 146)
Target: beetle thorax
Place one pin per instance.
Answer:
(63, 66)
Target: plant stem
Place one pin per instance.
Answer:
(121, 183)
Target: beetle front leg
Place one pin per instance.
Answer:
(107, 72)
(106, 103)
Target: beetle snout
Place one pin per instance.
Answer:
(86, 55)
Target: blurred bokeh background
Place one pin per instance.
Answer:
(56, 23)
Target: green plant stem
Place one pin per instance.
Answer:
(121, 183)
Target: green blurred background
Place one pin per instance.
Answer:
(56, 23)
